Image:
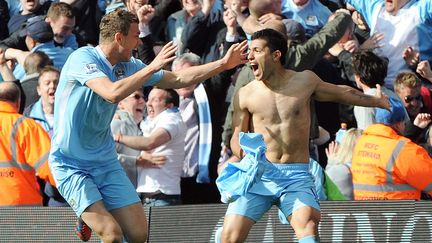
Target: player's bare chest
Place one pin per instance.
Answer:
(282, 105)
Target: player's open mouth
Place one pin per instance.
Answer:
(139, 110)
(254, 67)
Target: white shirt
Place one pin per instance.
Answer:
(167, 178)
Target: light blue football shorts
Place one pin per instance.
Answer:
(81, 188)
(288, 186)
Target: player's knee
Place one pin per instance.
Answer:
(311, 226)
(306, 228)
(111, 233)
(112, 237)
(231, 236)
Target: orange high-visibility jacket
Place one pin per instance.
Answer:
(24, 148)
(387, 166)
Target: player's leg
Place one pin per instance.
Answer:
(301, 208)
(305, 222)
(89, 205)
(82, 193)
(241, 216)
(299, 201)
(102, 223)
(236, 228)
(133, 222)
(122, 201)
(82, 230)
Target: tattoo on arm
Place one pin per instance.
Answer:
(359, 94)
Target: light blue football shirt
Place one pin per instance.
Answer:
(82, 134)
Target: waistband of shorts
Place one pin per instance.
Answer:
(292, 166)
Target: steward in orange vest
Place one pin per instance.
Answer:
(24, 148)
(386, 165)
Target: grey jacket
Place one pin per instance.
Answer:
(125, 124)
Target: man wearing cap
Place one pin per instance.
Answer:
(38, 37)
(386, 165)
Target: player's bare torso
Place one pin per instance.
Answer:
(281, 113)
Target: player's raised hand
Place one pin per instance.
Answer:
(165, 56)
(236, 55)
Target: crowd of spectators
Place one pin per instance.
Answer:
(354, 42)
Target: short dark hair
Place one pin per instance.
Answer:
(371, 68)
(9, 91)
(275, 41)
(118, 20)
(172, 97)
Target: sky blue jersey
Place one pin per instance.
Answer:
(82, 118)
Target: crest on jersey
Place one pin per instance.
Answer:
(120, 73)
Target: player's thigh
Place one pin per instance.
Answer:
(302, 210)
(133, 221)
(100, 220)
(236, 228)
(242, 214)
(305, 221)
(291, 202)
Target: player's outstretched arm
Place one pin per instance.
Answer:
(114, 92)
(235, 56)
(347, 95)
